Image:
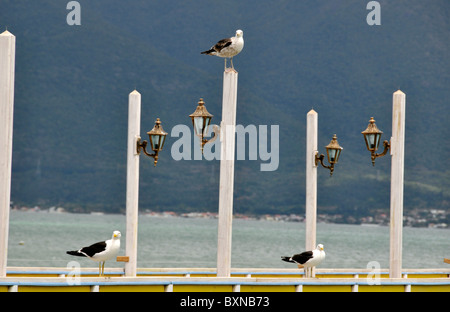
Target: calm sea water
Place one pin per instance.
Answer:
(41, 239)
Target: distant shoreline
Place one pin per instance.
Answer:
(416, 219)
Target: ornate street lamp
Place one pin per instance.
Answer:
(201, 119)
(157, 138)
(372, 137)
(333, 153)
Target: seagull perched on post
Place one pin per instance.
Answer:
(307, 259)
(228, 47)
(100, 251)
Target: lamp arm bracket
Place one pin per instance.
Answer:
(320, 159)
(143, 145)
(374, 155)
(138, 141)
(315, 158)
(216, 134)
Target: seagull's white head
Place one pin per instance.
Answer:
(239, 33)
(320, 247)
(116, 234)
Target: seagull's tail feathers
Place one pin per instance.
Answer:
(209, 52)
(287, 259)
(76, 253)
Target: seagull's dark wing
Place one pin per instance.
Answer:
(94, 249)
(303, 257)
(287, 259)
(222, 44)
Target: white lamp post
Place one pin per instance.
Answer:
(372, 137)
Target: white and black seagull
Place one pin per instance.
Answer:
(307, 259)
(100, 251)
(228, 47)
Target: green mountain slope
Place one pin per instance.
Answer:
(72, 86)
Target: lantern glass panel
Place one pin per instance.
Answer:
(207, 123)
(373, 140)
(338, 153)
(377, 140)
(198, 125)
(162, 139)
(370, 141)
(155, 142)
(201, 125)
(331, 156)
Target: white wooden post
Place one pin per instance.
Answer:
(397, 174)
(227, 134)
(311, 183)
(7, 63)
(132, 200)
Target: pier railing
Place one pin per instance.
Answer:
(240, 280)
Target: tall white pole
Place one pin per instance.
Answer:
(397, 174)
(132, 200)
(7, 63)
(311, 183)
(227, 134)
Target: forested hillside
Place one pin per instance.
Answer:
(72, 86)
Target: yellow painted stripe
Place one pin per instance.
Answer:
(430, 288)
(54, 289)
(427, 275)
(238, 275)
(229, 288)
(334, 275)
(31, 275)
(327, 288)
(381, 288)
(268, 288)
(162, 275)
(277, 276)
(132, 288)
(202, 288)
(372, 276)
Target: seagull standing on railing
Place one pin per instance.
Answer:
(307, 259)
(100, 251)
(228, 47)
